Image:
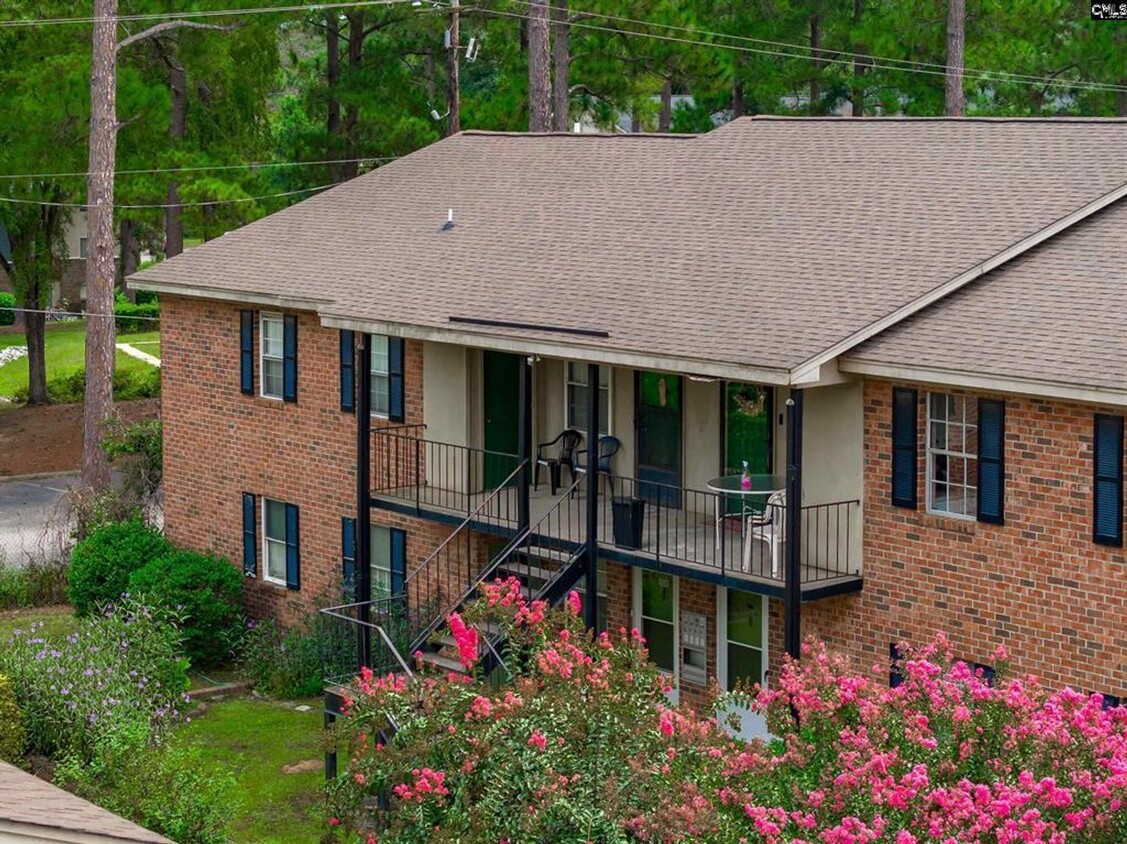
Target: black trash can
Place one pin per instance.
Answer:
(628, 514)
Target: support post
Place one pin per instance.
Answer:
(792, 629)
(364, 496)
(524, 444)
(591, 582)
(331, 702)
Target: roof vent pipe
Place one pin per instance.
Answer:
(449, 220)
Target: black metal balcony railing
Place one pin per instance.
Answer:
(410, 468)
(706, 531)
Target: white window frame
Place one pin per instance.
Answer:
(722, 637)
(971, 458)
(83, 243)
(379, 373)
(386, 542)
(263, 318)
(674, 695)
(267, 540)
(568, 383)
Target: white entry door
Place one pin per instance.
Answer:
(741, 653)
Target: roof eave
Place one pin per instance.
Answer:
(289, 302)
(994, 383)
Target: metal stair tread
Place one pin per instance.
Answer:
(444, 662)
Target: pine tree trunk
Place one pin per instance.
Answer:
(35, 334)
(561, 65)
(816, 57)
(351, 168)
(739, 109)
(332, 73)
(539, 69)
(130, 256)
(453, 84)
(956, 42)
(858, 93)
(665, 116)
(99, 255)
(177, 122)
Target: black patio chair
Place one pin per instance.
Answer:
(565, 445)
(608, 447)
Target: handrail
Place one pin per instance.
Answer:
(474, 514)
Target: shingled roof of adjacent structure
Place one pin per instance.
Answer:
(31, 807)
(769, 243)
(1053, 316)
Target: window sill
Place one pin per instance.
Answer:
(953, 524)
(269, 401)
(270, 581)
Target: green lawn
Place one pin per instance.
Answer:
(57, 621)
(256, 739)
(66, 353)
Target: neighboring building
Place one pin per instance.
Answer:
(809, 296)
(35, 812)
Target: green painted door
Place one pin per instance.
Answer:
(658, 417)
(501, 406)
(748, 412)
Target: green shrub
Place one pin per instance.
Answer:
(137, 451)
(285, 662)
(12, 735)
(122, 670)
(207, 594)
(7, 309)
(145, 297)
(172, 791)
(131, 318)
(128, 384)
(101, 564)
(37, 584)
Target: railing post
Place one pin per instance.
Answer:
(364, 496)
(591, 582)
(792, 630)
(524, 444)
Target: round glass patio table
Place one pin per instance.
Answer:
(762, 486)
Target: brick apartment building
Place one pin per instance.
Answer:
(902, 331)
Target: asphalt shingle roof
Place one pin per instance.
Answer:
(1054, 314)
(29, 801)
(760, 244)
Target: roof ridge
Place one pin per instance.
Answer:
(899, 118)
(508, 133)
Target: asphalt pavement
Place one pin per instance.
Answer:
(33, 518)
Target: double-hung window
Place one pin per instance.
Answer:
(271, 332)
(274, 540)
(576, 397)
(952, 455)
(381, 377)
(744, 639)
(381, 562)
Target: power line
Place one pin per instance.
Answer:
(77, 316)
(40, 202)
(928, 68)
(250, 165)
(203, 13)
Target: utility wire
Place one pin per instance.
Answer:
(990, 76)
(250, 165)
(204, 13)
(40, 202)
(58, 312)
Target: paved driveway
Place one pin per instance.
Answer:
(33, 521)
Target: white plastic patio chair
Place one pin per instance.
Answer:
(768, 527)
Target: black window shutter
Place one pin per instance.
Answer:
(991, 461)
(293, 555)
(348, 556)
(396, 411)
(1107, 486)
(250, 536)
(246, 352)
(289, 357)
(347, 371)
(398, 560)
(895, 666)
(905, 447)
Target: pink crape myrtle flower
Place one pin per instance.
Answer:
(466, 639)
(574, 604)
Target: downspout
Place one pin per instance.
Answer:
(591, 582)
(364, 497)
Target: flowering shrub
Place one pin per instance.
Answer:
(582, 746)
(118, 669)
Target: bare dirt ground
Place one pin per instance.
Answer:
(49, 439)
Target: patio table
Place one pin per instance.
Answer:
(763, 486)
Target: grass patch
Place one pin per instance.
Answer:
(57, 621)
(66, 355)
(255, 739)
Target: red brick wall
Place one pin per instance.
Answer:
(219, 443)
(1037, 584)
